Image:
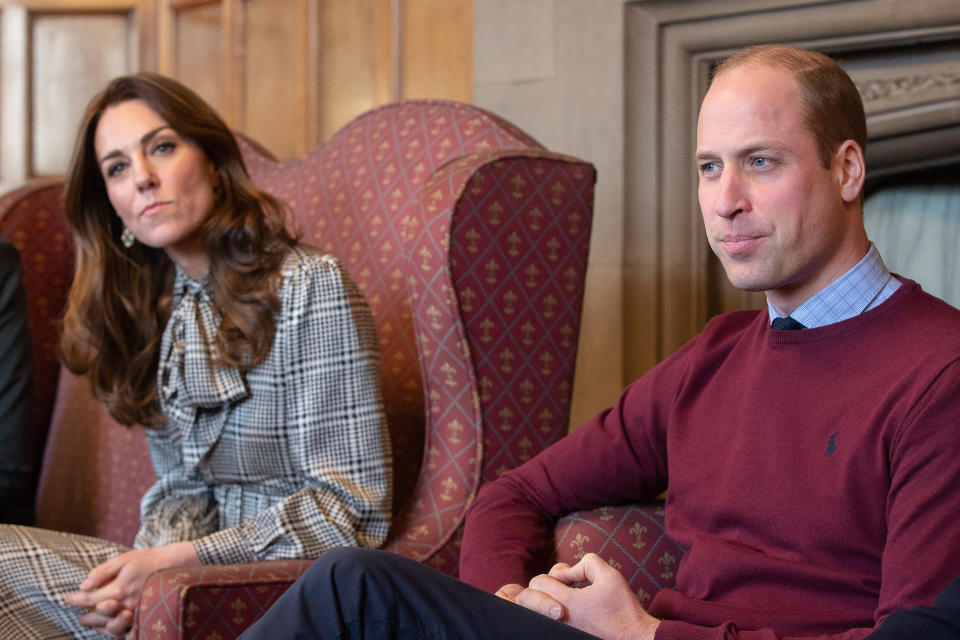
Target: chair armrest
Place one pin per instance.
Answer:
(212, 601)
(632, 538)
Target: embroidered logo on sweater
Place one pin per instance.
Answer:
(831, 446)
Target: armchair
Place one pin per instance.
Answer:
(469, 241)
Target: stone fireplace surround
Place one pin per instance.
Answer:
(904, 57)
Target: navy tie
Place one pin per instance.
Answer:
(786, 324)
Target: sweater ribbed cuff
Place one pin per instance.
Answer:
(675, 630)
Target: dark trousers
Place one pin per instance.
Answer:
(362, 593)
(939, 622)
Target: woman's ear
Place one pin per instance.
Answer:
(215, 182)
(851, 170)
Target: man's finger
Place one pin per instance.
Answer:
(541, 602)
(509, 592)
(567, 574)
(558, 570)
(590, 568)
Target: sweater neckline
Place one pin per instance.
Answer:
(907, 287)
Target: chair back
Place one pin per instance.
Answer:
(357, 197)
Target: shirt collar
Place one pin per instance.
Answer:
(851, 294)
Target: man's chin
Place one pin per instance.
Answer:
(747, 282)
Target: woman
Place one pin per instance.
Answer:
(251, 359)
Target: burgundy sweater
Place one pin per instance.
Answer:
(814, 476)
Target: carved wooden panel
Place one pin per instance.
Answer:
(279, 74)
(289, 73)
(65, 71)
(437, 50)
(192, 47)
(353, 75)
(13, 94)
(54, 55)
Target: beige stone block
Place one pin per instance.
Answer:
(513, 40)
(598, 379)
(589, 106)
(530, 105)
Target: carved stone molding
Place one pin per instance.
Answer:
(904, 56)
(907, 86)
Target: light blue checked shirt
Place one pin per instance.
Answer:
(862, 288)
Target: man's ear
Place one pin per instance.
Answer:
(851, 170)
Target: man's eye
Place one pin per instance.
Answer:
(708, 168)
(760, 162)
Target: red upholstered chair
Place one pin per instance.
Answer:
(469, 241)
(631, 538)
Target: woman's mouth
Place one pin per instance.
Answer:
(153, 207)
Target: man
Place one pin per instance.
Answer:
(809, 470)
(16, 395)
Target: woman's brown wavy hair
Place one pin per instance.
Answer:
(119, 301)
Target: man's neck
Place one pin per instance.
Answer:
(864, 286)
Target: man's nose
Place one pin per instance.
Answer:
(731, 195)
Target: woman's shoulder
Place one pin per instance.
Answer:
(308, 268)
(304, 260)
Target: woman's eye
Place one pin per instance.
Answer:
(115, 169)
(164, 147)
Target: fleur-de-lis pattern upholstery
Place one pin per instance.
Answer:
(469, 241)
(631, 538)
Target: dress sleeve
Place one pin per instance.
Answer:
(180, 505)
(333, 424)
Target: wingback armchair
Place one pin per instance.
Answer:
(469, 241)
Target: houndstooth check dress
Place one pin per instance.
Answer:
(286, 461)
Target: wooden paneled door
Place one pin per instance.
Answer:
(265, 57)
(286, 72)
(54, 55)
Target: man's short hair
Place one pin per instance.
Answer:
(833, 110)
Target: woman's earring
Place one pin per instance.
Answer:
(127, 238)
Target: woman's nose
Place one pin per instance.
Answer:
(144, 175)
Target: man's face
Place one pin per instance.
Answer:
(775, 217)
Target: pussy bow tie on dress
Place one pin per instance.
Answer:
(192, 356)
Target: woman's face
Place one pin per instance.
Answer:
(159, 183)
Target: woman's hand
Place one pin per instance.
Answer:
(111, 590)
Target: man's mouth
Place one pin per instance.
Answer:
(739, 244)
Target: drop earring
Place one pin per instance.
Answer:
(127, 238)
